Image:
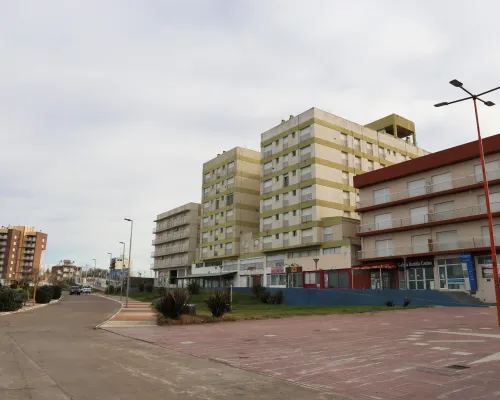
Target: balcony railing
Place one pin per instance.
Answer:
(268, 153)
(305, 136)
(357, 146)
(285, 164)
(307, 239)
(286, 203)
(267, 207)
(369, 150)
(307, 218)
(170, 250)
(306, 197)
(168, 238)
(267, 227)
(286, 222)
(229, 251)
(267, 245)
(458, 244)
(286, 242)
(430, 188)
(343, 143)
(267, 171)
(268, 189)
(306, 177)
(230, 170)
(345, 162)
(469, 211)
(229, 218)
(328, 237)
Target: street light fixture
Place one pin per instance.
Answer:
(474, 98)
(121, 272)
(129, 258)
(316, 262)
(95, 267)
(109, 276)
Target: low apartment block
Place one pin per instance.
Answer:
(307, 192)
(176, 241)
(66, 271)
(230, 203)
(21, 250)
(424, 224)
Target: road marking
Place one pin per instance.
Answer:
(461, 353)
(488, 335)
(270, 335)
(457, 341)
(464, 329)
(411, 338)
(333, 329)
(187, 342)
(418, 333)
(486, 329)
(384, 323)
(426, 320)
(421, 344)
(492, 357)
(440, 348)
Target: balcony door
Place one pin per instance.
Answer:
(419, 215)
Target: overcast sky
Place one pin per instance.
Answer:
(109, 108)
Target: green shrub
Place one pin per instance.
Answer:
(162, 291)
(277, 298)
(43, 294)
(13, 285)
(149, 288)
(141, 286)
(9, 301)
(56, 292)
(172, 304)
(218, 302)
(265, 297)
(257, 290)
(194, 287)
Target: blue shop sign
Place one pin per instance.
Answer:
(466, 259)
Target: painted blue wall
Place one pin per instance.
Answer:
(353, 297)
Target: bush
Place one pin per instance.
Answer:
(257, 290)
(172, 304)
(141, 287)
(162, 291)
(389, 303)
(406, 302)
(9, 301)
(218, 302)
(265, 297)
(43, 294)
(56, 292)
(13, 285)
(149, 288)
(194, 287)
(277, 298)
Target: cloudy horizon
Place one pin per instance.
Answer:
(108, 109)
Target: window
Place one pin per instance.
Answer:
(277, 217)
(343, 139)
(230, 165)
(332, 250)
(357, 144)
(494, 202)
(268, 151)
(268, 186)
(277, 142)
(276, 280)
(305, 133)
(447, 240)
(492, 168)
(294, 153)
(345, 178)
(294, 233)
(306, 194)
(343, 158)
(306, 214)
(304, 253)
(382, 195)
(420, 243)
(370, 165)
(419, 215)
(305, 153)
(12, 262)
(485, 234)
(417, 188)
(381, 152)
(294, 213)
(328, 233)
(369, 148)
(357, 162)
(443, 211)
(294, 172)
(384, 248)
(229, 215)
(277, 236)
(293, 135)
(277, 179)
(441, 182)
(383, 221)
(311, 278)
(245, 244)
(221, 230)
(338, 279)
(256, 242)
(268, 167)
(346, 198)
(285, 180)
(306, 173)
(294, 192)
(277, 160)
(277, 197)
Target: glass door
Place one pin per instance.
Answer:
(416, 278)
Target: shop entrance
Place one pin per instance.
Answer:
(417, 278)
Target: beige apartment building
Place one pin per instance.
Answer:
(424, 224)
(21, 250)
(308, 200)
(66, 271)
(176, 241)
(230, 205)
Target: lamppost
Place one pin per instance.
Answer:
(129, 258)
(316, 262)
(109, 276)
(95, 267)
(474, 98)
(121, 271)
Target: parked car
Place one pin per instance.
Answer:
(75, 290)
(87, 289)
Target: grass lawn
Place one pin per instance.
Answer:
(245, 306)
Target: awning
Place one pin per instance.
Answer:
(376, 266)
(215, 275)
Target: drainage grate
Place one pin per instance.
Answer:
(457, 366)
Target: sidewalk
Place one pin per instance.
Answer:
(137, 314)
(29, 306)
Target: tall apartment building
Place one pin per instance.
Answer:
(230, 204)
(424, 223)
(67, 271)
(307, 194)
(176, 240)
(21, 250)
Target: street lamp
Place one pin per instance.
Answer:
(474, 98)
(95, 267)
(109, 276)
(316, 262)
(129, 258)
(121, 272)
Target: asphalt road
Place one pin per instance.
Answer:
(55, 353)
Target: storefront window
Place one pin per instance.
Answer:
(311, 278)
(451, 274)
(338, 280)
(276, 280)
(295, 280)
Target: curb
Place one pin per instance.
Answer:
(98, 326)
(23, 309)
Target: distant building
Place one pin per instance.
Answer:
(66, 271)
(21, 250)
(119, 267)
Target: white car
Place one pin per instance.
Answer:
(87, 289)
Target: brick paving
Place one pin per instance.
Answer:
(138, 313)
(389, 355)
